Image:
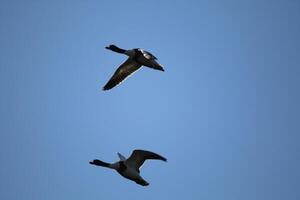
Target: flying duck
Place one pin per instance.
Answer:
(137, 58)
(129, 168)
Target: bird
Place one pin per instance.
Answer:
(130, 168)
(137, 58)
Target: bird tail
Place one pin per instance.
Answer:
(160, 67)
(142, 182)
(156, 66)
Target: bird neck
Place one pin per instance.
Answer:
(115, 166)
(100, 163)
(120, 166)
(117, 49)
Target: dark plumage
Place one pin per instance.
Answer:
(130, 168)
(137, 59)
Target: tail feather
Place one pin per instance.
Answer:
(160, 67)
(156, 66)
(142, 182)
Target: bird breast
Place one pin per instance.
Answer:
(115, 166)
(130, 53)
(131, 173)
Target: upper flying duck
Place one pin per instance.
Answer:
(137, 59)
(129, 168)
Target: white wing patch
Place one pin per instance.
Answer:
(146, 54)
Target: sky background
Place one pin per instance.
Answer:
(225, 112)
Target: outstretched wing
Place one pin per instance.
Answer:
(126, 69)
(138, 157)
(122, 158)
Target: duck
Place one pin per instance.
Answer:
(130, 168)
(136, 59)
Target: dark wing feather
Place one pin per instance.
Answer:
(127, 68)
(138, 157)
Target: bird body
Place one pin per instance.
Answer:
(137, 58)
(129, 168)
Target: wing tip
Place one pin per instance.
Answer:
(106, 87)
(164, 159)
(159, 157)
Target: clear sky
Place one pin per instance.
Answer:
(225, 112)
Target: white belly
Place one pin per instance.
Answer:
(131, 173)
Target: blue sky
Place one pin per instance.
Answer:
(225, 112)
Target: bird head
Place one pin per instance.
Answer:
(111, 46)
(115, 48)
